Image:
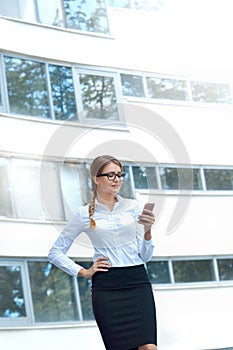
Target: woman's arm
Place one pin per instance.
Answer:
(57, 253)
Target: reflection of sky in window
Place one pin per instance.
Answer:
(47, 269)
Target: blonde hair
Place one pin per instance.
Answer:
(96, 168)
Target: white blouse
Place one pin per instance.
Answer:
(117, 236)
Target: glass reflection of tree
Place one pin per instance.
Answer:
(85, 15)
(211, 92)
(225, 269)
(219, 179)
(98, 97)
(193, 271)
(158, 272)
(52, 293)
(62, 92)
(27, 87)
(163, 88)
(11, 292)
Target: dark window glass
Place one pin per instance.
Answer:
(120, 3)
(84, 285)
(5, 199)
(52, 293)
(225, 267)
(158, 272)
(126, 188)
(62, 87)
(98, 97)
(132, 85)
(193, 270)
(89, 16)
(12, 304)
(163, 88)
(27, 87)
(211, 92)
(180, 179)
(144, 177)
(219, 179)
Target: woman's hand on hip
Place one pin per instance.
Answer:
(100, 265)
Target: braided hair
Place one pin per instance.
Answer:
(96, 168)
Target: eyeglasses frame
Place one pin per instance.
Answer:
(110, 173)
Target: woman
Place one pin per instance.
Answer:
(120, 232)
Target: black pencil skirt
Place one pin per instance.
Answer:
(124, 308)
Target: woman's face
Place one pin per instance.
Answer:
(106, 186)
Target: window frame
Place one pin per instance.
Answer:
(216, 282)
(28, 319)
(116, 85)
(77, 69)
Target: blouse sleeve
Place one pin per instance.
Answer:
(57, 254)
(146, 249)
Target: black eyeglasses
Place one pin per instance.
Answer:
(112, 176)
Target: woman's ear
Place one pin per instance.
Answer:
(95, 180)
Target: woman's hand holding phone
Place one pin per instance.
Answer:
(147, 218)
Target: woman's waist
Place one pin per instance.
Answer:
(120, 277)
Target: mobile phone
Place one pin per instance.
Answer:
(149, 206)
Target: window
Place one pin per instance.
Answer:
(193, 271)
(35, 291)
(49, 12)
(190, 270)
(98, 95)
(126, 190)
(5, 190)
(1, 102)
(146, 5)
(144, 177)
(164, 88)
(132, 85)
(219, 179)
(120, 3)
(57, 92)
(28, 187)
(55, 189)
(72, 191)
(12, 304)
(158, 272)
(180, 178)
(45, 90)
(18, 9)
(90, 16)
(53, 293)
(62, 89)
(225, 267)
(27, 87)
(211, 92)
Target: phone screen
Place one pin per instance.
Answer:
(149, 206)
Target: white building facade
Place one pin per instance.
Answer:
(80, 79)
